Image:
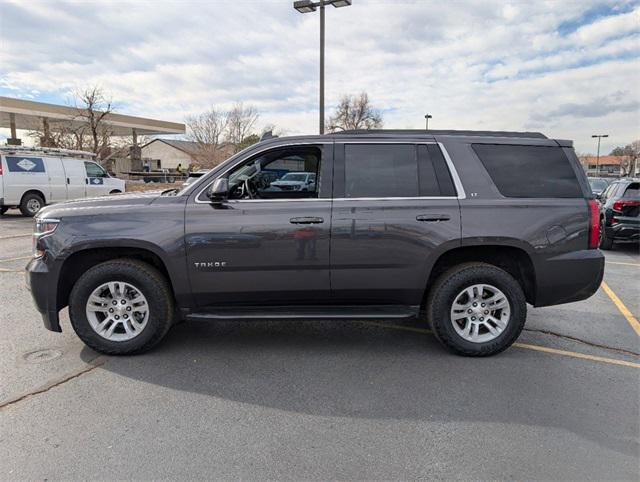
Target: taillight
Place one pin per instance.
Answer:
(594, 224)
(619, 205)
(0, 167)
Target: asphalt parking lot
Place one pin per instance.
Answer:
(352, 400)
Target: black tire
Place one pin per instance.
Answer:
(115, 191)
(3, 209)
(606, 242)
(450, 284)
(151, 283)
(31, 203)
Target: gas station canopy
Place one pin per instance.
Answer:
(19, 114)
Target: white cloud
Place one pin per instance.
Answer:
(478, 64)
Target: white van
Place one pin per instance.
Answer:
(33, 177)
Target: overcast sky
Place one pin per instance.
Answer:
(567, 68)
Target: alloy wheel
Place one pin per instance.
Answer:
(117, 311)
(480, 313)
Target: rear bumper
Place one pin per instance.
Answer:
(569, 277)
(623, 232)
(43, 286)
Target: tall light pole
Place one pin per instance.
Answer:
(426, 118)
(599, 136)
(308, 6)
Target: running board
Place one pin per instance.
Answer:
(382, 312)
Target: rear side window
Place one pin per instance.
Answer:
(396, 170)
(529, 171)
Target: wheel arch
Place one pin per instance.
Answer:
(33, 191)
(511, 257)
(84, 258)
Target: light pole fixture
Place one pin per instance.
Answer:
(599, 136)
(426, 118)
(308, 6)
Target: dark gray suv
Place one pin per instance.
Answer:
(459, 228)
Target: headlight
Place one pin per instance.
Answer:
(43, 227)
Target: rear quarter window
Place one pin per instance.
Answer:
(529, 171)
(632, 190)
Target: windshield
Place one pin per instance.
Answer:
(294, 177)
(598, 184)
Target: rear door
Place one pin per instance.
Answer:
(76, 178)
(57, 179)
(395, 205)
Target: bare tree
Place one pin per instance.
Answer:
(240, 122)
(355, 112)
(207, 130)
(632, 152)
(88, 131)
(94, 107)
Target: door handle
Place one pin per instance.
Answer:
(68, 181)
(306, 220)
(433, 218)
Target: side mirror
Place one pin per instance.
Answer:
(218, 192)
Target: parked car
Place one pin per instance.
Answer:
(598, 185)
(460, 229)
(296, 181)
(620, 213)
(31, 178)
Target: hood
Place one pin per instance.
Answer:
(96, 205)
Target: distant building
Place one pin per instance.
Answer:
(167, 154)
(608, 165)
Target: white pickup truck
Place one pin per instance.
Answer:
(31, 178)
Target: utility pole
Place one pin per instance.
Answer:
(599, 136)
(426, 118)
(308, 6)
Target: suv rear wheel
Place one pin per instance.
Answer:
(476, 309)
(121, 307)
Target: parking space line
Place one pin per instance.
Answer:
(5, 270)
(525, 346)
(575, 354)
(635, 324)
(622, 263)
(15, 236)
(15, 259)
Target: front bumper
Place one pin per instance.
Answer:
(568, 277)
(43, 286)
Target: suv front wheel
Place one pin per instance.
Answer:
(476, 309)
(121, 307)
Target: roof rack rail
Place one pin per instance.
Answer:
(423, 132)
(46, 150)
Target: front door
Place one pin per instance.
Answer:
(96, 179)
(266, 244)
(395, 206)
